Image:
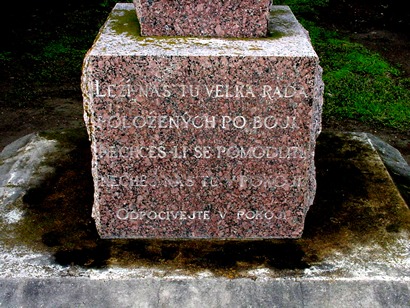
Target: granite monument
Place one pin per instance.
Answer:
(202, 127)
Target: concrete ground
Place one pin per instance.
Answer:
(355, 251)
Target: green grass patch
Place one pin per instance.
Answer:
(306, 8)
(50, 55)
(360, 84)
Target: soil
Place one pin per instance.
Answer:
(379, 25)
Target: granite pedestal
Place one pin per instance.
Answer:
(202, 137)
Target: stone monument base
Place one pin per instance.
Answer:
(197, 137)
(354, 251)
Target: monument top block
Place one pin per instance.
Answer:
(121, 36)
(217, 18)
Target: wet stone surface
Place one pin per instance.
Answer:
(358, 225)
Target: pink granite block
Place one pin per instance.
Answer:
(218, 18)
(200, 137)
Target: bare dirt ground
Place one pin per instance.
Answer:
(58, 104)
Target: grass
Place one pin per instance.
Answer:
(48, 54)
(359, 84)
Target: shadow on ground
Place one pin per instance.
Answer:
(355, 204)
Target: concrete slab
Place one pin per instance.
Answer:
(355, 250)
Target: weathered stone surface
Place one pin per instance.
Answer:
(220, 18)
(396, 164)
(20, 165)
(355, 263)
(154, 292)
(202, 138)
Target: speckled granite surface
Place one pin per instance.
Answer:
(202, 137)
(221, 18)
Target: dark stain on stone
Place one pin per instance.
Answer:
(52, 238)
(58, 218)
(34, 197)
(87, 257)
(332, 196)
(393, 228)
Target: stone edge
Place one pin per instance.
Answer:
(156, 292)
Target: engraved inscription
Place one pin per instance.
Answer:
(237, 91)
(179, 122)
(123, 214)
(206, 152)
(196, 122)
(243, 181)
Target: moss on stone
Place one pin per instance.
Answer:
(126, 23)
